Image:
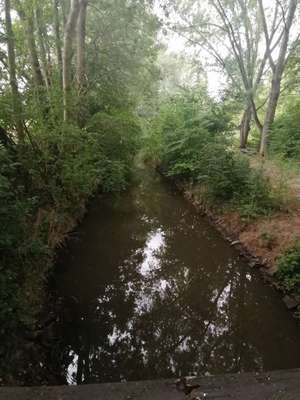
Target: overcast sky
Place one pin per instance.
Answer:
(216, 79)
(178, 45)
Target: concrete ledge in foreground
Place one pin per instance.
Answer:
(276, 385)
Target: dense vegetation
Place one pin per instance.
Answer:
(289, 268)
(196, 140)
(68, 129)
(85, 86)
(196, 145)
(285, 141)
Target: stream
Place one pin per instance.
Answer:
(148, 289)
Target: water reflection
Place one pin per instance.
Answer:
(151, 291)
(152, 252)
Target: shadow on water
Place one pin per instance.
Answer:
(149, 290)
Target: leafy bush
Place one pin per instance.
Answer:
(62, 167)
(117, 138)
(256, 196)
(289, 268)
(151, 146)
(197, 146)
(285, 137)
(44, 186)
(67, 164)
(19, 250)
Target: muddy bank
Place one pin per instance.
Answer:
(261, 241)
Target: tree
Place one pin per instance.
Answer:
(228, 32)
(27, 17)
(49, 167)
(81, 75)
(81, 50)
(277, 68)
(16, 100)
(121, 54)
(69, 34)
(245, 127)
(232, 30)
(38, 11)
(57, 30)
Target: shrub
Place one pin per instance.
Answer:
(62, 167)
(197, 147)
(256, 196)
(118, 140)
(223, 173)
(285, 137)
(44, 187)
(196, 138)
(289, 268)
(19, 250)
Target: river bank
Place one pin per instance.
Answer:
(30, 340)
(135, 264)
(148, 289)
(261, 240)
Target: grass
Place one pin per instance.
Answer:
(284, 177)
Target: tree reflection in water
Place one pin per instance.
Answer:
(151, 291)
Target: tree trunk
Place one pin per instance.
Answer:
(81, 53)
(81, 78)
(67, 56)
(41, 40)
(27, 17)
(36, 69)
(16, 100)
(245, 127)
(58, 39)
(276, 79)
(65, 8)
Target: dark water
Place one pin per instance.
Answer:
(150, 290)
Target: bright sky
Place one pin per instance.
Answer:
(176, 44)
(216, 79)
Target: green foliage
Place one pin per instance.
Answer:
(256, 196)
(44, 188)
(151, 143)
(289, 268)
(196, 145)
(122, 65)
(118, 137)
(285, 136)
(16, 244)
(48, 176)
